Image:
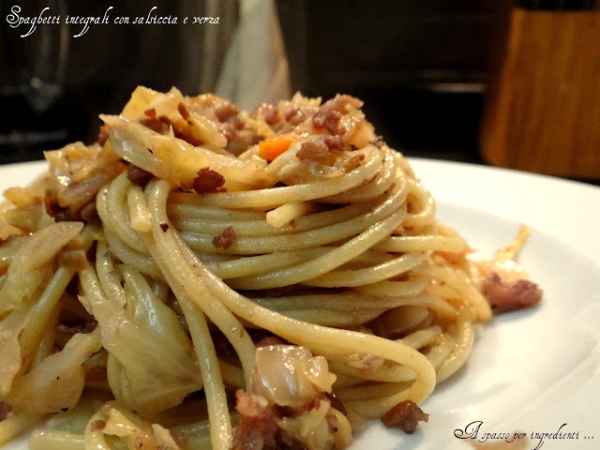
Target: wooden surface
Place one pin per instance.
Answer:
(543, 111)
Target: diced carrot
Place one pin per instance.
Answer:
(270, 149)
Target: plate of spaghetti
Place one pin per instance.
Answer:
(206, 277)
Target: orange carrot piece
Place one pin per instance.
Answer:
(270, 149)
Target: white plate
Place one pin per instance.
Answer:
(531, 371)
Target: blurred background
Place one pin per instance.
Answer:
(510, 83)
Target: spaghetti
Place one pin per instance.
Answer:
(264, 280)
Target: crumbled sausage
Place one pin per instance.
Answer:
(138, 176)
(225, 239)
(295, 116)
(97, 425)
(504, 296)
(239, 141)
(208, 181)
(316, 152)
(330, 113)
(333, 142)
(5, 410)
(258, 423)
(269, 113)
(405, 415)
(329, 120)
(226, 111)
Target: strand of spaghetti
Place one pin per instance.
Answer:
(377, 186)
(328, 318)
(343, 381)
(383, 373)
(273, 197)
(252, 228)
(215, 258)
(343, 435)
(139, 216)
(368, 275)
(405, 244)
(116, 202)
(425, 214)
(422, 338)
(387, 288)
(232, 375)
(166, 258)
(463, 337)
(401, 320)
(216, 399)
(254, 265)
(459, 281)
(440, 352)
(182, 204)
(284, 214)
(439, 306)
(348, 301)
(109, 276)
(370, 392)
(144, 263)
(248, 266)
